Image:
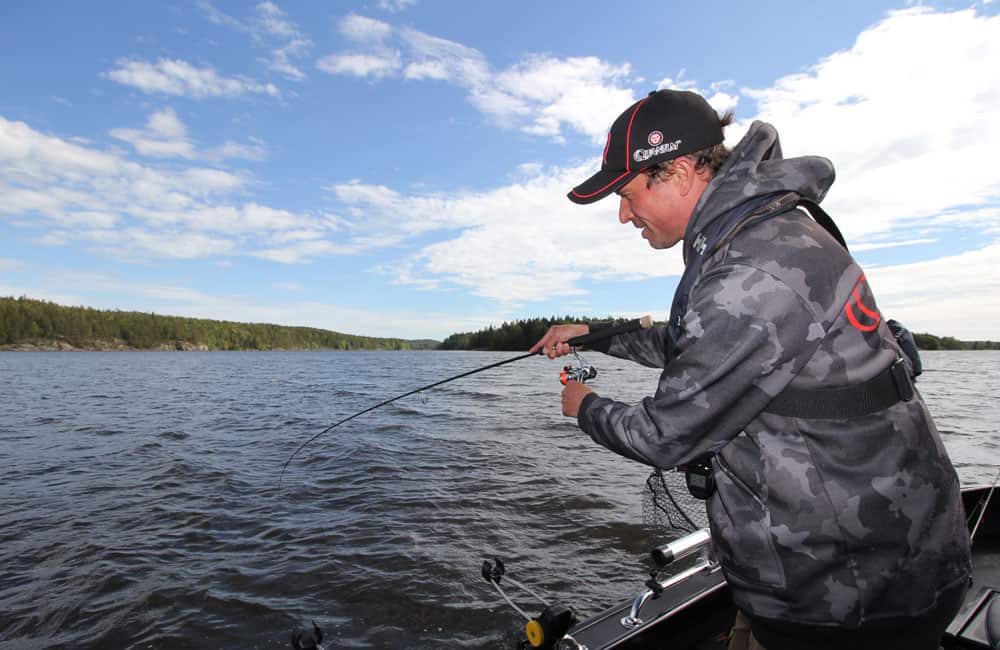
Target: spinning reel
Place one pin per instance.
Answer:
(581, 373)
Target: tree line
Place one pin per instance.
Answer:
(931, 342)
(514, 335)
(25, 320)
(522, 334)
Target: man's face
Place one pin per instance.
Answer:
(657, 207)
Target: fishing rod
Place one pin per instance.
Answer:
(984, 503)
(569, 374)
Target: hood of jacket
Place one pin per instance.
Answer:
(755, 167)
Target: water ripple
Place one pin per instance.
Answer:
(140, 505)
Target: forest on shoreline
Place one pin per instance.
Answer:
(29, 324)
(522, 334)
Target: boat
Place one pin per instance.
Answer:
(687, 605)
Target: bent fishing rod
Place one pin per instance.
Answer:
(580, 375)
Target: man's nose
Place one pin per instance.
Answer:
(624, 211)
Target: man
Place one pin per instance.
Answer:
(835, 512)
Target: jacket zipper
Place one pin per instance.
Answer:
(738, 481)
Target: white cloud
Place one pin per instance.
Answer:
(38, 156)
(8, 264)
(517, 243)
(218, 17)
(303, 251)
(464, 65)
(136, 243)
(254, 151)
(281, 58)
(176, 77)
(211, 181)
(361, 65)
(717, 94)
(364, 29)
(957, 295)
(549, 94)
(889, 244)
(269, 25)
(165, 136)
(426, 70)
(77, 193)
(912, 129)
(272, 20)
(392, 6)
(541, 95)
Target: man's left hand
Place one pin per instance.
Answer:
(572, 395)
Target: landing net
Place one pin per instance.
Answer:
(668, 509)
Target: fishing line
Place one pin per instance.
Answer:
(397, 397)
(628, 326)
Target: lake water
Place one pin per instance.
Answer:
(139, 503)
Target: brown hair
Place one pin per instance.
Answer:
(710, 158)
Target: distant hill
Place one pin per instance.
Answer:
(522, 334)
(26, 323)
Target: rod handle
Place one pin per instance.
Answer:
(628, 326)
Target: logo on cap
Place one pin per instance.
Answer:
(642, 155)
(655, 138)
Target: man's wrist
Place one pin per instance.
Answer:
(581, 414)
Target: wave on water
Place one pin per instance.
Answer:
(141, 505)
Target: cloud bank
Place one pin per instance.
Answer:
(911, 129)
(540, 95)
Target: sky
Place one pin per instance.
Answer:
(400, 167)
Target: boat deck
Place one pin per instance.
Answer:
(968, 630)
(697, 613)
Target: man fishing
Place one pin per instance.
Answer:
(835, 511)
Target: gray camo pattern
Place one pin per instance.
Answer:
(819, 521)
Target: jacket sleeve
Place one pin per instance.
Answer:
(746, 334)
(648, 346)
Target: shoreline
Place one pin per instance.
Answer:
(101, 346)
(179, 346)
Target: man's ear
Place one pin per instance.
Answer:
(684, 174)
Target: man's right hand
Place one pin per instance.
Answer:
(553, 344)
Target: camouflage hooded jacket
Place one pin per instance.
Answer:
(815, 521)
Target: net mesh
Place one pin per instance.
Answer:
(668, 509)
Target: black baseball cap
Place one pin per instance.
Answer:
(662, 126)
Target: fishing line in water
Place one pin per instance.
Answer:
(607, 332)
(393, 399)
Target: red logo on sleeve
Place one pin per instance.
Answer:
(870, 318)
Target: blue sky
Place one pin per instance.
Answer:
(399, 167)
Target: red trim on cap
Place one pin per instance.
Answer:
(628, 136)
(604, 156)
(587, 196)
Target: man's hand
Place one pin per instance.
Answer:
(553, 344)
(572, 395)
